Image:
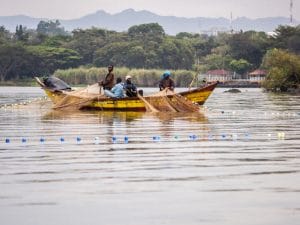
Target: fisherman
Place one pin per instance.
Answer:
(108, 82)
(166, 81)
(129, 87)
(117, 90)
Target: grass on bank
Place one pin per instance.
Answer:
(141, 77)
(83, 76)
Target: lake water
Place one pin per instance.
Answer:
(236, 162)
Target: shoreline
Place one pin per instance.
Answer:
(239, 84)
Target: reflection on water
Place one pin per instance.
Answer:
(225, 165)
(108, 116)
(104, 116)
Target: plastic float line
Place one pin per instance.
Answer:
(157, 138)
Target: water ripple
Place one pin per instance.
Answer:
(237, 155)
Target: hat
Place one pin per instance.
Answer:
(127, 77)
(167, 73)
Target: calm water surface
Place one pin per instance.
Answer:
(237, 162)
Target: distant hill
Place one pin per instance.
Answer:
(171, 24)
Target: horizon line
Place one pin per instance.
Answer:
(131, 9)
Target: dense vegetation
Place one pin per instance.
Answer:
(284, 70)
(144, 50)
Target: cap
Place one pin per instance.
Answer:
(166, 73)
(127, 77)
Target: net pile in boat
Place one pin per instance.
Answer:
(169, 101)
(79, 98)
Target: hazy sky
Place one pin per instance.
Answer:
(70, 9)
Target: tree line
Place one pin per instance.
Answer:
(42, 51)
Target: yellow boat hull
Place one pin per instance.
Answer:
(198, 95)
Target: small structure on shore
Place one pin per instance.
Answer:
(218, 75)
(257, 75)
(232, 79)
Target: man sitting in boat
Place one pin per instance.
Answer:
(108, 81)
(166, 81)
(117, 90)
(129, 87)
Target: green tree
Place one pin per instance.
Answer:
(146, 32)
(51, 58)
(21, 34)
(175, 54)
(240, 66)
(168, 53)
(57, 41)
(250, 46)
(203, 46)
(287, 37)
(87, 42)
(4, 35)
(15, 62)
(217, 61)
(151, 59)
(186, 52)
(8, 60)
(186, 35)
(114, 53)
(50, 28)
(283, 70)
(136, 57)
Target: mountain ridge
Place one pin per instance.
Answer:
(172, 25)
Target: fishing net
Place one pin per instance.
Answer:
(79, 98)
(161, 103)
(168, 101)
(183, 104)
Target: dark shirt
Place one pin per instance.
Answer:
(166, 83)
(108, 82)
(130, 89)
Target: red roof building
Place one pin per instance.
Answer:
(257, 75)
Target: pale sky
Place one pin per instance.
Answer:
(71, 9)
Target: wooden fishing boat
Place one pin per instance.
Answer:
(99, 102)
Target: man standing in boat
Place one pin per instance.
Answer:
(166, 81)
(108, 81)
